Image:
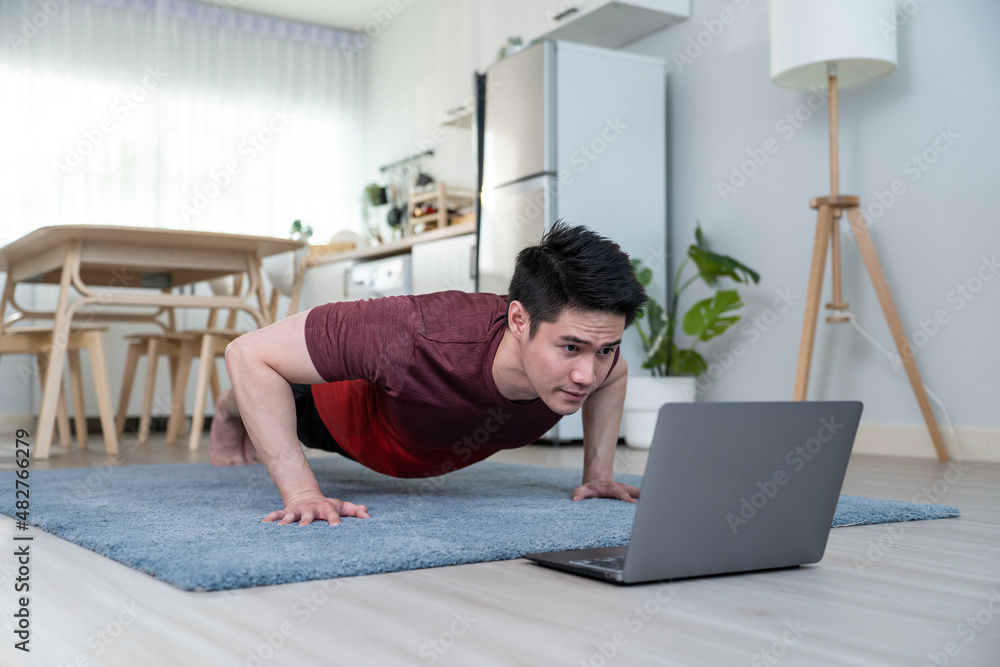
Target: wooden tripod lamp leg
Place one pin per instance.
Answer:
(868, 254)
(824, 226)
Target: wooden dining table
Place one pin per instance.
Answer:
(112, 268)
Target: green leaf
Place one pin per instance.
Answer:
(656, 356)
(657, 318)
(643, 274)
(687, 362)
(712, 266)
(705, 320)
(640, 331)
(657, 345)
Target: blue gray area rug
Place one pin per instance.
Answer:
(198, 527)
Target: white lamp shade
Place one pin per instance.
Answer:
(806, 35)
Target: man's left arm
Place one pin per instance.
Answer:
(602, 418)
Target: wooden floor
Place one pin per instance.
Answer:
(901, 594)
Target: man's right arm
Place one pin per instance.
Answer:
(261, 364)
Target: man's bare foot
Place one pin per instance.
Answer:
(225, 443)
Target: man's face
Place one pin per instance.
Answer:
(567, 360)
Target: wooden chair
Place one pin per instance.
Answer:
(210, 344)
(37, 340)
(181, 348)
(206, 345)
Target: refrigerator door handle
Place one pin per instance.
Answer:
(565, 14)
(529, 177)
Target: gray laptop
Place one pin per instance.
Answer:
(730, 487)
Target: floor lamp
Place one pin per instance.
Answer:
(836, 44)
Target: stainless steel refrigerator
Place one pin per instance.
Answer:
(576, 133)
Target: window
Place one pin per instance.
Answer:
(177, 115)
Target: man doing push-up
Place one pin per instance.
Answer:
(417, 386)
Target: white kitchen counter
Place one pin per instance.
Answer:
(395, 247)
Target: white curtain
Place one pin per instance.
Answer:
(165, 113)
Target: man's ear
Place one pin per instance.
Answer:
(518, 320)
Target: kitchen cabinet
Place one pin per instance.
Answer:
(447, 264)
(612, 24)
(429, 266)
(355, 274)
(388, 276)
(326, 283)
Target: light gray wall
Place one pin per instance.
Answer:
(931, 239)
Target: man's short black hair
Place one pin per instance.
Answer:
(573, 267)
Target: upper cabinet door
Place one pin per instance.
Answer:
(517, 143)
(611, 23)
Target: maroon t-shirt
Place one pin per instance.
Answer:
(410, 390)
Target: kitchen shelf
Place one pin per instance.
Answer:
(443, 197)
(458, 116)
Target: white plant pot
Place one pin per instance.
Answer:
(643, 400)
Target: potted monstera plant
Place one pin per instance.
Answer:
(675, 366)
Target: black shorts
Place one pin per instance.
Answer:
(309, 425)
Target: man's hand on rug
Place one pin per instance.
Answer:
(317, 508)
(606, 489)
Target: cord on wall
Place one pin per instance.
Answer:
(896, 363)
